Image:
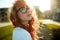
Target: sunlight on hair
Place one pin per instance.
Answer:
(43, 4)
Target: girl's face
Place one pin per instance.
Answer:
(24, 13)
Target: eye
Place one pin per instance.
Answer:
(23, 10)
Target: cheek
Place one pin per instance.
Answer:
(21, 16)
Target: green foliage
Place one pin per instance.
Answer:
(3, 15)
(55, 29)
(38, 12)
(6, 32)
(52, 26)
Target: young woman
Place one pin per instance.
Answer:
(24, 18)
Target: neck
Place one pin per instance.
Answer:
(25, 23)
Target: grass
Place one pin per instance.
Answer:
(53, 26)
(55, 29)
(6, 32)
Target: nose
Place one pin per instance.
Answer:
(29, 12)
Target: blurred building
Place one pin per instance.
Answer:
(55, 8)
(3, 15)
(48, 14)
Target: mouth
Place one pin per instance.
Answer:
(29, 15)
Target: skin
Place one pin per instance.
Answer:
(25, 17)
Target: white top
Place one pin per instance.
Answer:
(21, 34)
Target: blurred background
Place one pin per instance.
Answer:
(48, 12)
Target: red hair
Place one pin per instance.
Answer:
(31, 27)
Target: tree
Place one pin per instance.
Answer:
(38, 12)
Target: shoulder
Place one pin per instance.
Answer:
(20, 30)
(21, 34)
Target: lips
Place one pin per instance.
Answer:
(29, 15)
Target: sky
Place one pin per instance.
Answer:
(6, 3)
(43, 4)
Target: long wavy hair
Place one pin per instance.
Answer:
(33, 23)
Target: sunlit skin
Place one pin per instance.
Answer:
(25, 17)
